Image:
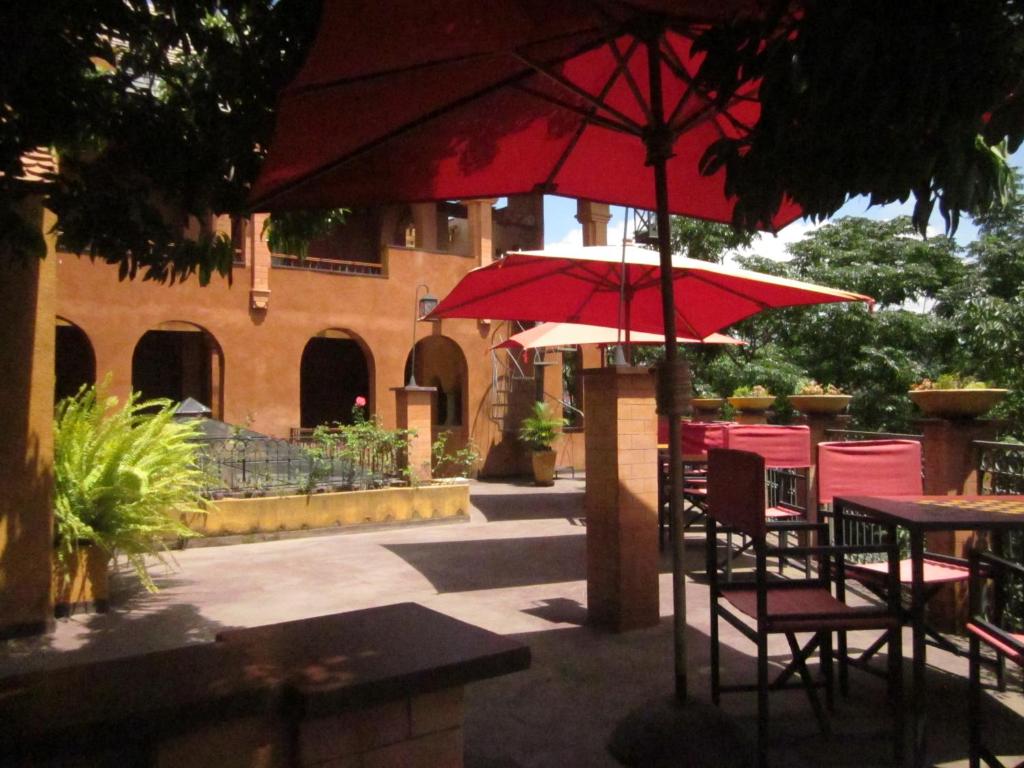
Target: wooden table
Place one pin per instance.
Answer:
(920, 514)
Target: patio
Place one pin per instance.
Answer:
(518, 569)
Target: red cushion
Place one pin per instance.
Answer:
(1013, 653)
(869, 467)
(935, 572)
(786, 607)
(777, 513)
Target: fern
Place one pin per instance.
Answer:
(123, 477)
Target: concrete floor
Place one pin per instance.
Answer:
(518, 568)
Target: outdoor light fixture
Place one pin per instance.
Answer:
(422, 306)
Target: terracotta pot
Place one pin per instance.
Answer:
(752, 403)
(707, 403)
(543, 467)
(956, 403)
(86, 585)
(820, 404)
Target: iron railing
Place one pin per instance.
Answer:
(842, 435)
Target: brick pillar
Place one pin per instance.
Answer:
(481, 230)
(819, 424)
(27, 350)
(594, 217)
(949, 468)
(259, 262)
(412, 412)
(621, 498)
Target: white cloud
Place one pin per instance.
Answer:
(774, 246)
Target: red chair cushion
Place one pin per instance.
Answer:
(787, 609)
(935, 572)
(779, 446)
(871, 467)
(1013, 653)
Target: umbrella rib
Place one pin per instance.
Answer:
(587, 114)
(623, 60)
(570, 86)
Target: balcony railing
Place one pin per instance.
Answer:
(335, 266)
(1000, 467)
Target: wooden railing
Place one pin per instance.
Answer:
(335, 266)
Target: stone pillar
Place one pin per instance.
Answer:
(259, 291)
(621, 498)
(27, 350)
(594, 217)
(949, 468)
(481, 230)
(819, 424)
(424, 218)
(412, 412)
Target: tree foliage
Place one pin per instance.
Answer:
(891, 100)
(160, 110)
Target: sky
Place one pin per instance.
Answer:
(561, 227)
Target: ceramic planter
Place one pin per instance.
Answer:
(956, 403)
(86, 585)
(707, 403)
(752, 403)
(543, 467)
(820, 404)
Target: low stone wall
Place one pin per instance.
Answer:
(333, 510)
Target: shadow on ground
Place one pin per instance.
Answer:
(499, 508)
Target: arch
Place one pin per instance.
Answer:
(441, 363)
(336, 368)
(74, 361)
(178, 359)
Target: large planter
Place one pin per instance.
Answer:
(752, 403)
(84, 585)
(820, 404)
(707, 403)
(956, 403)
(543, 467)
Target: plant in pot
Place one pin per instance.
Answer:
(705, 399)
(538, 431)
(755, 398)
(955, 396)
(123, 479)
(815, 398)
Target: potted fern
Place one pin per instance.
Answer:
(123, 477)
(538, 431)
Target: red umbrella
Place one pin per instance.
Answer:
(411, 100)
(572, 334)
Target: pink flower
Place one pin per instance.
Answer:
(360, 402)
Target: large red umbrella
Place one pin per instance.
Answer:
(411, 100)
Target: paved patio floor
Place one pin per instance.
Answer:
(518, 568)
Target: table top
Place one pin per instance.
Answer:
(942, 512)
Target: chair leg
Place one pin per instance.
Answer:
(716, 685)
(844, 665)
(827, 672)
(800, 665)
(895, 652)
(762, 700)
(974, 703)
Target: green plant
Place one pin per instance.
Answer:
(123, 476)
(540, 428)
(755, 391)
(453, 463)
(811, 387)
(950, 381)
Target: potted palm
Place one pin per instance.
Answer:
(538, 431)
(955, 396)
(815, 398)
(123, 477)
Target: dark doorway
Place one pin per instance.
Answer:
(334, 373)
(177, 364)
(75, 361)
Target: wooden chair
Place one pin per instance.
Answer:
(985, 627)
(775, 605)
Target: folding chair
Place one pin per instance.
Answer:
(773, 605)
(882, 468)
(697, 437)
(986, 626)
(786, 450)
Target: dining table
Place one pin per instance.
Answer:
(920, 515)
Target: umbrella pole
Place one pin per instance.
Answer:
(659, 149)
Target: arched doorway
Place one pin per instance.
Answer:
(335, 370)
(178, 360)
(75, 361)
(441, 364)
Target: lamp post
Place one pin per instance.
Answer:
(421, 306)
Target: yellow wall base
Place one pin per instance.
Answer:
(332, 510)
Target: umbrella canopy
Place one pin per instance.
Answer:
(412, 101)
(582, 286)
(571, 334)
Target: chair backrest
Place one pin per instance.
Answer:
(781, 447)
(869, 467)
(736, 490)
(699, 436)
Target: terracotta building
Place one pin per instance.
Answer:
(290, 343)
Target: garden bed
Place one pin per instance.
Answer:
(229, 517)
